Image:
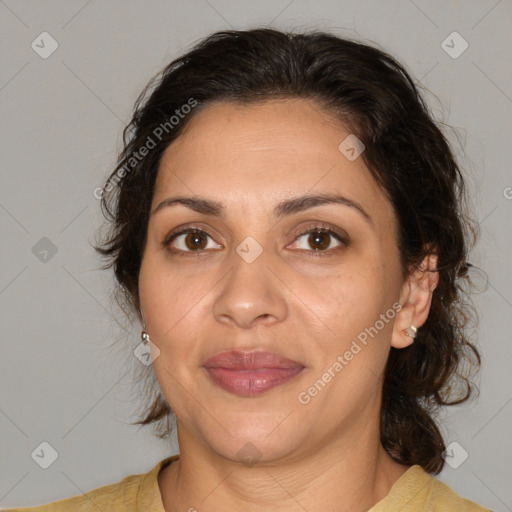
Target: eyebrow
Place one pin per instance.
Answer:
(282, 209)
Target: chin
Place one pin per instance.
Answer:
(251, 439)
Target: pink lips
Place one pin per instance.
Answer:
(250, 373)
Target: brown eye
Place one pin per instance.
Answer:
(319, 241)
(190, 240)
(195, 241)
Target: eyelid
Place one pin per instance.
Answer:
(315, 226)
(184, 230)
(324, 228)
(319, 227)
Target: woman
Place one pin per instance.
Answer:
(287, 224)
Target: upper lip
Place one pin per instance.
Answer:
(249, 360)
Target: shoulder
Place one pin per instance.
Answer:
(130, 494)
(418, 491)
(122, 494)
(444, 498)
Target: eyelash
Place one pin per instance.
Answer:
(317, 228)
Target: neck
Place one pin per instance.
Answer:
(349, 474)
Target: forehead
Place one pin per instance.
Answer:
(289, 125)
(280, 148)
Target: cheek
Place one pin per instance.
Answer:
(168, 298)
(357, 310)
(175, 307)
(171, 304)
(352, 298)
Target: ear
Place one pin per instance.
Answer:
(140, 314)
(415, 298)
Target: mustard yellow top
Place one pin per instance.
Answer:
(415, 491)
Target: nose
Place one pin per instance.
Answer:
(250, 295)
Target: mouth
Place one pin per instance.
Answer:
(250, 373)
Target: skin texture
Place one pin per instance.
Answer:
(304, 304)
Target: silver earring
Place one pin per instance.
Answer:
(145, 337)
(411, 331)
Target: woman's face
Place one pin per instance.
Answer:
(259, 277)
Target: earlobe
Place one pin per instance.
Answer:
(411, 331)
(404, 327)
(416, 299)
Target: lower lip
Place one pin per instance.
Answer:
(251, 382)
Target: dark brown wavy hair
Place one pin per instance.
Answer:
(370, 93)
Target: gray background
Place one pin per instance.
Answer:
(66, 365)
